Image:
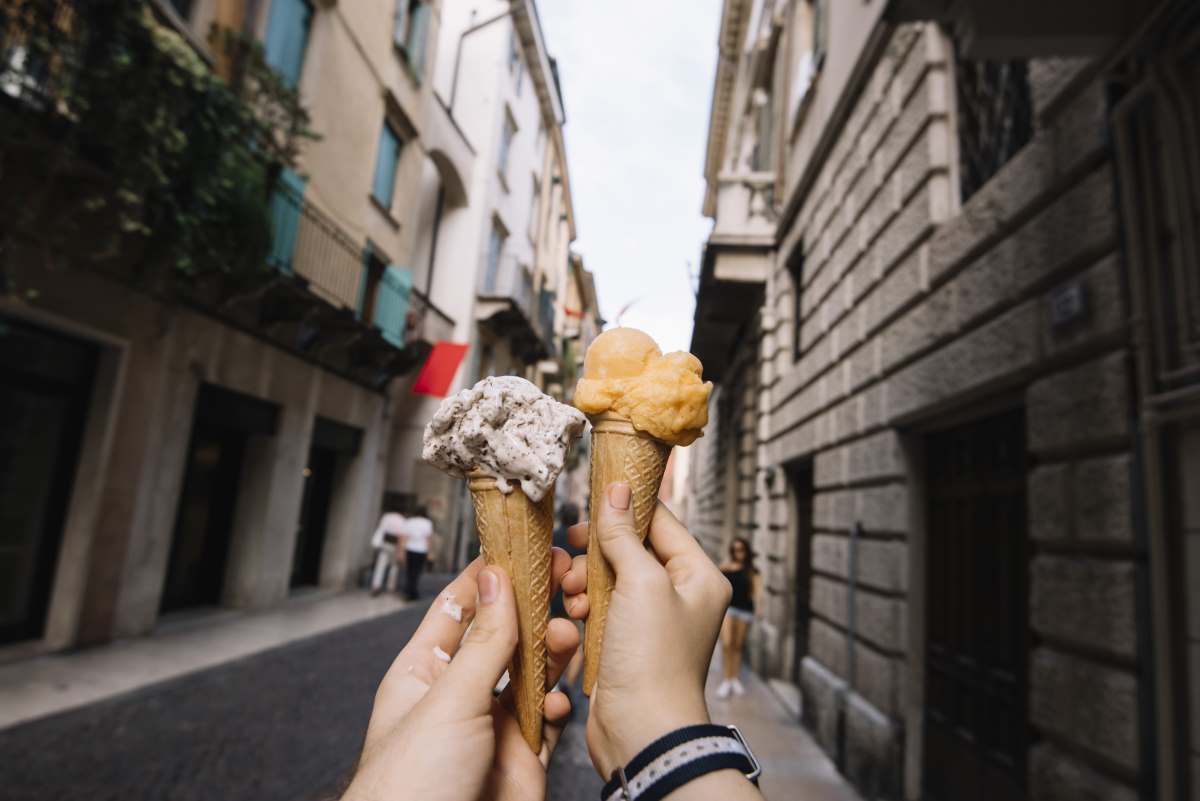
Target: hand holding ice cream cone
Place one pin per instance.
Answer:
(510, 441)
(641, 403)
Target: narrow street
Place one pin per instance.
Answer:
(282, 724)
(287, 723)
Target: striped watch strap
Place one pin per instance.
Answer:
(679, 757)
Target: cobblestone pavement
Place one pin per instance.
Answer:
(285, 724)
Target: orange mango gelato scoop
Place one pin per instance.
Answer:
(625, 372)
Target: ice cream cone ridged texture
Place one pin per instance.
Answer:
(514, 534)
(506, 427)
(626, 374)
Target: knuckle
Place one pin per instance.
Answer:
(616, 529)
(491, 634)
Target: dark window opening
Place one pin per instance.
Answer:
(995, 117)
(800, 477)
(795, 268)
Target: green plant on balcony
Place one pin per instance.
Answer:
(132, 148)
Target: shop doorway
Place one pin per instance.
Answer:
(45, 386)
(224, 423)
(334, 445)
(976, 634)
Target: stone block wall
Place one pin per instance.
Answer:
(912, 309)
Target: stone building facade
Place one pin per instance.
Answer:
(920, 305)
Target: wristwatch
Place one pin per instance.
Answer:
(679, 757)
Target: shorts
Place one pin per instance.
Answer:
(744, 615)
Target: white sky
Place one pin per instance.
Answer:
(637, 82)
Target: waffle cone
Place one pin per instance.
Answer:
(619, 453)
(514, 534)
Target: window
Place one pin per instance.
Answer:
(384, 185)
(287, 38)
(506, 138)
(995, 117)
(795, 268)
(534, 199)
(410, 33)
(495, 251)
(764, 123)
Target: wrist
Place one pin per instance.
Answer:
(641, 728)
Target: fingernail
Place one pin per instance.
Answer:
(618, 496)
(489, 586)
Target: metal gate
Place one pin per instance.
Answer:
(976, 634)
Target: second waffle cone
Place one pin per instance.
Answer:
(619, 453)
(514, 534)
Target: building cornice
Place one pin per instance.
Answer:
(734, 14)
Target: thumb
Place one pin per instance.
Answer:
(466, 686)
(618, 538)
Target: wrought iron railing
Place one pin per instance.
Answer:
(512, 281)
(995, 116)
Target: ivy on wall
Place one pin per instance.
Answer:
(188, 153)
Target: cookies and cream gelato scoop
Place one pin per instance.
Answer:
(506, 427)
(625, 373)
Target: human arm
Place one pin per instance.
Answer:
(435, 731)
(650, 661)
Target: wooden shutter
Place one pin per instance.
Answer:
(286, 203)
(385, 166)
(287, 38)
(391, 303)
(417, 35)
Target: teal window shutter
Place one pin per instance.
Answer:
(495, 246)
(506, 138)
(417, 34)
(287, 37)
(286, 203)
(400, 29)
(391, 303)
(385, 166)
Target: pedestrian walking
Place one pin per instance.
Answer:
(416, 532)
(385, 541)
(746, 583)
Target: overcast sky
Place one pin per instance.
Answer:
(637, 79)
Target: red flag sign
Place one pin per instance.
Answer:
(437, 375)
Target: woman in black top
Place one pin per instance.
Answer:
(739, 569)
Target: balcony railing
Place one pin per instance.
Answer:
(309, 244)
(510, 305)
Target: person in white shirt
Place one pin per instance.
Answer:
(415, 535)
(385, 541)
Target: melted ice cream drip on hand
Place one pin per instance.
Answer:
(506, 427)
(451, 608)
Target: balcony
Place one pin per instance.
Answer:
(327, 299)
(509, 307)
